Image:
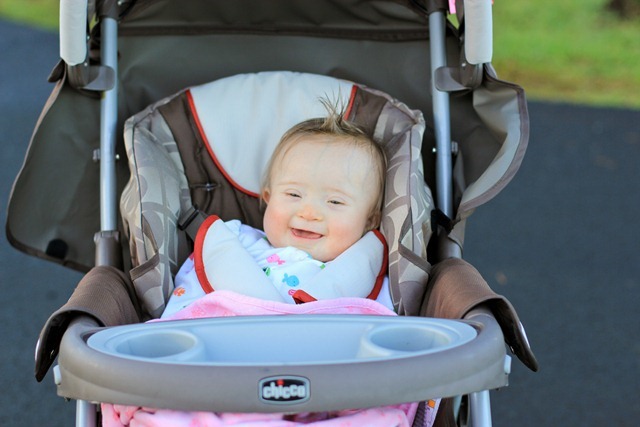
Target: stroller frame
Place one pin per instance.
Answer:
(479, 401)
(103, 77)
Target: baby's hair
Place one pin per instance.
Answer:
(343, 131)
(334, 124)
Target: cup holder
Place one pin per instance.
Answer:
(163, 345)
(406, 340)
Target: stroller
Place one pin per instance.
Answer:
(153, 67)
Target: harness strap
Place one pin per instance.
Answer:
(190, 221)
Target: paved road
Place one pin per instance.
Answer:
(561, 242)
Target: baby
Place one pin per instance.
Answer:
(323, 190)
(323, 187)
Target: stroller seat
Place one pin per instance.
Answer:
(192, 149)
(208, 147)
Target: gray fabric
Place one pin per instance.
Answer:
(503, 114)
(344, 18)
(406, 213)
(151, 205)
(55, 196)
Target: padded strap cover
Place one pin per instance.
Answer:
(223, 263)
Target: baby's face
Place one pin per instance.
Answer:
(320, 197)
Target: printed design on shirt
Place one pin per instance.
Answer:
(179, 291)
(275, 259)
(267, 271)
(292, 281)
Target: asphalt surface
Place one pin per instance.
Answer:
(561, 242)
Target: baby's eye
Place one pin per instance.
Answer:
(292, 194)
(336, 202)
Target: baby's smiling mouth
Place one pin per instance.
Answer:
(304, 234)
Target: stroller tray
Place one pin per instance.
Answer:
(278, 341)
(280, 363)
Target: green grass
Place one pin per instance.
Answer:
(38, 13)
(568, 51)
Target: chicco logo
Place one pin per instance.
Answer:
(284, 390)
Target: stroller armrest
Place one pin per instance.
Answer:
(48, 343)
(502, 312)
(103, 296)
(457, 290)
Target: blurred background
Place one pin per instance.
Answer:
(561, 241)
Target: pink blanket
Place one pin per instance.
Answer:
(225, 303)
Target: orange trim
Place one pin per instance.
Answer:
(352, 98)
(383, 270)
(198, 261)
(196, 118)
(301, 297)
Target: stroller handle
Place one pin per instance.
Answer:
(73, 31)
(478, 47)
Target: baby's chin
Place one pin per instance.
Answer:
(313, 254)
(313, 248)
(316, 253)
(322, 255)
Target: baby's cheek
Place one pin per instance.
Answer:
(271, 223)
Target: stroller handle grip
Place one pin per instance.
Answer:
(73, 31)
(479, 31)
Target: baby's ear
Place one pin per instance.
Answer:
(266, 194)
(374, 221)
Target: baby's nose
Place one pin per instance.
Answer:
(310, 212)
